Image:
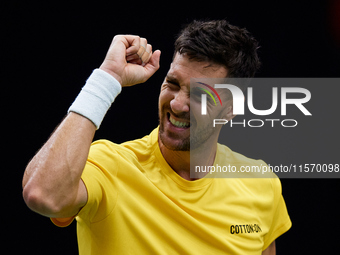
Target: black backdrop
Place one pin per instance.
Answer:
(50, 49)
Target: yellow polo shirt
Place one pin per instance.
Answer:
(138, 205)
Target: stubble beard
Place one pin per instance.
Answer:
(195, 140)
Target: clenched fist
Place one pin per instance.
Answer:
(130, 60)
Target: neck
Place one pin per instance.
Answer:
(179, 161)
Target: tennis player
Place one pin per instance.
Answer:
(138, 197)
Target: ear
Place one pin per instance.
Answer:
(229, 114)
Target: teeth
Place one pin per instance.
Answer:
(178, 123)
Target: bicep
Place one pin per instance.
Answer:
(271, 249)
(79, 202)
(82, 196)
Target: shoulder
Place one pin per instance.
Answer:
(226, 154)
(241, 166)
(135, 149)
(255, 174)
(104, 150)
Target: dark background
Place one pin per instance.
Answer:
(49, 50)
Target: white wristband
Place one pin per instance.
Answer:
(96, 96)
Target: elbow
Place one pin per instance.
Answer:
(38, 197)
(38, 202)
(31, 199)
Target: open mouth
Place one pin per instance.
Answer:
(176, 123)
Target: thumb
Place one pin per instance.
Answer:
(153, 65)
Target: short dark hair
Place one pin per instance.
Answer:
(221, 43)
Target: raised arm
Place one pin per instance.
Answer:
(51, 184)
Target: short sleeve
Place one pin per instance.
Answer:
(99, 177)
(281, 222)
(62, 222)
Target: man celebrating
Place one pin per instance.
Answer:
(138, 197)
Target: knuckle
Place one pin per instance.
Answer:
(117, 36)
(143, 40)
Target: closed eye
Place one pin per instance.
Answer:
(172, 86)
(173, 83)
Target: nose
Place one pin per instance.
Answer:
(180, 103)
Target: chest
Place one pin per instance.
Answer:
(215, 217)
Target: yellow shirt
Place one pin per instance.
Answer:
(138, 205)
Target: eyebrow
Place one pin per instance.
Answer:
(172, 79)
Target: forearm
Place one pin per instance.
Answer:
(52, 183)
(51, 179)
